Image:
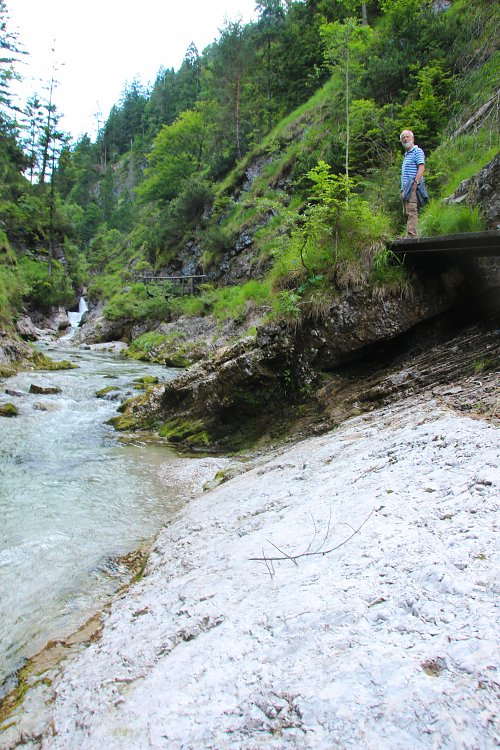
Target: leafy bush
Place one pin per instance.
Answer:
(147, 345)
(44, 291)
(287, 305)
(105, 246)
(26, 219)
(331, 237)
(12, 285)
(135, 304)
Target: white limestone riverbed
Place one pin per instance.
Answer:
(388, 642)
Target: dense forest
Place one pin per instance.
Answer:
(282, 136)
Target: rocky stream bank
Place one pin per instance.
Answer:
(339, 591)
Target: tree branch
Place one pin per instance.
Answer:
(284, 556)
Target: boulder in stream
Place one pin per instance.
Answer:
(45, 389)
(8, 410)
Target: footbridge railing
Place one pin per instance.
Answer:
(178, 285)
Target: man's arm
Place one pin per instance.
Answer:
(420, 172)
(418, 177)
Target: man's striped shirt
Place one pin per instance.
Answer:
(411, 161)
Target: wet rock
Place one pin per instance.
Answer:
(97, 330)
(60, 320)
(45, 406)
(26, 328)
(12, 349)
(45, 389)
(8, 410)
(110, 393)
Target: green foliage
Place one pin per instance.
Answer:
(176, 222)
(287, 305)
(12, 285)
(103, 286)
(459, 159)
(428, 109)
(440, 218)
(215, 241)
(41, 290)
(257, 93)
(147, 345)
(135, 304)
(125, 120)
(104, 247)
(235, 301)
(177, 154)
(330, 237)
(26, 219)
(191, 306)
(228, 302)
(76, 264)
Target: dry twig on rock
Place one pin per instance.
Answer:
(308, 553)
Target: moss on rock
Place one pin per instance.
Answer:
(104, 391)
(41, 362)
(8, 410)
(189, 432)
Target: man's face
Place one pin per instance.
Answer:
(406, 140)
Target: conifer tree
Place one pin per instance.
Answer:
(10, 54)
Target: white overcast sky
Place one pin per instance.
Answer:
(102, 44)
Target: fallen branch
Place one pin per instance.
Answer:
(293, 558)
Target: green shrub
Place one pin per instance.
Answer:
(135, 304)
(287, 305)
(331, 237)
(146, 345)
(42, 290)
(12, 286)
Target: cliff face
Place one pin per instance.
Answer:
(317, 373)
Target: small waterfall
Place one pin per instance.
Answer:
(75, 317)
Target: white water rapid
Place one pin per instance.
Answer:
(74, 495)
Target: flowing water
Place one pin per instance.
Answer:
(74, 495)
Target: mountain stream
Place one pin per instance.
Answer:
(74, 496)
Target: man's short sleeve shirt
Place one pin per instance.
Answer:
(411, 161)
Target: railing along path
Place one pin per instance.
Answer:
(180, 285)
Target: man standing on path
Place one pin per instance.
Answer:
(412, 172)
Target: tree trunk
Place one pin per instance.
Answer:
(237, 115)
(347, 124)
